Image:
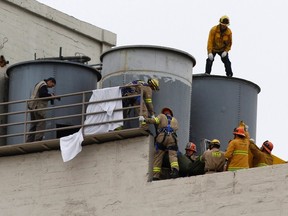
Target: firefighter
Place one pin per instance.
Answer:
(245, 127)
(251, 152)
(166, 140)
(147, 88)
(220, 42)
(267, 148)
(191, 151)
(262, 156)
(213, 158)
(189, 163)
(237, 151)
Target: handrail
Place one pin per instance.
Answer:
(23, 120)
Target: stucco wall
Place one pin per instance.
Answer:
(112, 179)
(33, 28)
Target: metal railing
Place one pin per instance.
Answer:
(15, 121)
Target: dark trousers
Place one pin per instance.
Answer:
(225, 60)
(36, 126)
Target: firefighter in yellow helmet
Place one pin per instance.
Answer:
(220, 42)
(166, 140)
(147, 88)
(213, 158)
(237, 151)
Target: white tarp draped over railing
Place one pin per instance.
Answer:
(71, 145)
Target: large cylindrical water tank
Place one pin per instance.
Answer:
(172, 67)
(70, 77)
(218, 104)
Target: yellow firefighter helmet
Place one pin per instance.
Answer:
(224, 20)
(154, 83)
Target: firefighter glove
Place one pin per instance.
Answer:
(210, 56)
(224, 54)
(246, 127)
(141, 118)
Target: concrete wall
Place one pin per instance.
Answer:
(33, 28)
(111, 179)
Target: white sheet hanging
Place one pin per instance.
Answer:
(108, 107)
(71, 145)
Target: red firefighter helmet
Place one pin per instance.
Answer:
(191, 146)
(165, 110)
(268, 146)
(239, 131)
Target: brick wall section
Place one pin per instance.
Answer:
(33, 28)
(111, 179)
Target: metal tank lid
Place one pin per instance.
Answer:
(204, 76)
(98, 74)
(149, 47)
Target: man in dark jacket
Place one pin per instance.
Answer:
(40, 91)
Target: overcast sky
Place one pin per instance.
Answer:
(259, 51)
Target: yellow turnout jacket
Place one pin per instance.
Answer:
(219, 42)
(237, 154)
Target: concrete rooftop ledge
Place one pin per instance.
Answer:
(54, 144)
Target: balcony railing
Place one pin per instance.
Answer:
(15, 120)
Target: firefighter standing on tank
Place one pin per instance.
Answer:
(220, 42)
(166, 140)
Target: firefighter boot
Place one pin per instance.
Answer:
(155, 179)
(175, 173)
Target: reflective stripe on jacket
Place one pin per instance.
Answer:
(147, 94)
(214, 160)
(260, 158)
(162, 122)
(237, 154)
